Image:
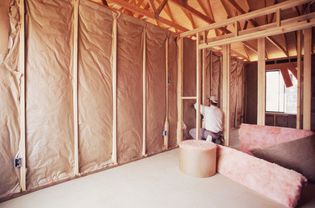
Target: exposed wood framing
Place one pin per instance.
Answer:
(250, 15)
(189, 98)
(198, 88)
(166, 124)
(189, 16)
(75, 86)
(203, 69)
(307, 79)
(251, 34)
(261, 82)
(21, 68)
(144, 94)
(226, 92)
(160, 8)
(114, 83)
(255, 24)
(179, 90)
(146, 13)
(169, 13)
(299, 80)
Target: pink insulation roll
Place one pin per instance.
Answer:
(273, 181)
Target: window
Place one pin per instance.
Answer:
(280, 98)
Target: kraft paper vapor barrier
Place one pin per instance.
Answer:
(9, 97)
(95, 86)
(49, 90)
(129, 89)
(156, 88)
(49, 111)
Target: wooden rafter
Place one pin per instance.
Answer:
(208, 12)
(170, 14)
(146, 13)
(189, 16)
(160, 8)
(255, 24)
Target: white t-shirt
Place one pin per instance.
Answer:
(213, 117)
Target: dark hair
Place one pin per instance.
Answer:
(213, 103)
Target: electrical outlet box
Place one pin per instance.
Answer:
(17, 162)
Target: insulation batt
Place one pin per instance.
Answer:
(9, 97)
(95, 86)
(273, 181)
(49, 108)
(129, 89)
(155, 78)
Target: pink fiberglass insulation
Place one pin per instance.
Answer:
(256, 136)
(49, 103)
(95, 86)
(273, 181)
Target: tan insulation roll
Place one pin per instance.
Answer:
(189, 84)
(129, 88)
(172, 89)
(216, 72)
(9, 94)
(95, 86)
(156, 100)
(49, 111)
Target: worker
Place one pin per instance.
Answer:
(213, 122)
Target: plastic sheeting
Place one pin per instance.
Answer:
(129, 88)
(9, 94)
(156, 88)
(95, 86)
(172, 90)
(49, 109)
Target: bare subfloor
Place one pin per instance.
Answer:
(152, 182)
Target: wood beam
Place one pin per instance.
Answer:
(179, 90)
(307, 79)
(166, 123)
(114, 88)
(198, 89)
(138, 10)
(261, 102)
(21, 69)
(208, 12)
(226, 73)
(75, 87)
(160, 8)
(144, 94)
(255, 24)
(189, 16)
(250, 15)
(170, 14)
(260, 32)
(299, 79)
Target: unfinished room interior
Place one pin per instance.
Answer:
(157, 103)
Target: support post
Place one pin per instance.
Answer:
(114, 83)
(166, 124)
(22, 143)
(261, 101)
(299, 73)
(179, 90)
(307, 75)
(75, 86)
(226, 91)
(203, 66)
(144, 97)
(198, 88)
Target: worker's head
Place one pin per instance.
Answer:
(213, 100)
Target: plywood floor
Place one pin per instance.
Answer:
(152, 182)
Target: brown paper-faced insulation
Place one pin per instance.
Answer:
(129, 88)
(172, 90)
(189, 84)
(9, 98)
(95, 86)
(156, 88)
(49, 110)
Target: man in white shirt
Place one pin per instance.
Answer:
(213, 122)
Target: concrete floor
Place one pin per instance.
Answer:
(152, 182)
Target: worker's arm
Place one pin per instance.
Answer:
(202, 107)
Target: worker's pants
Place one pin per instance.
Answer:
(203, 134)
